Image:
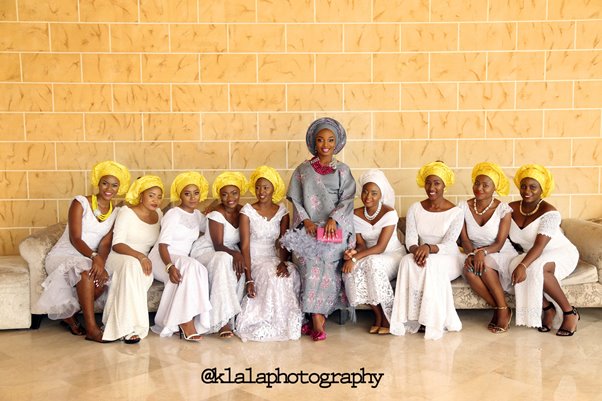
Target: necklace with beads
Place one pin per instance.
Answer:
(474, 206)
(520, 208)
(371, 217)
(323, 169)
(97, 213)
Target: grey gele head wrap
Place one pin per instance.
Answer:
(325, 123)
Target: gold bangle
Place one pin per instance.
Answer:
(521, 263)
(168, 266)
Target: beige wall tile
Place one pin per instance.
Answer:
(27, 213)
(257, 97)
(314, 37)
(401, 125)
(589, 35)
(372, 154)
(504, 10)
(401, 67)
(574, 64)
(572, 123)
(197, 98)
(25, 97)
(11, 238)
(56, 184)
(314, 97)
(417, 153)
(357, 125)
(546, 35)
(586, 206)
(201, 155)
(198, 38)
(256, 38)
(429, 37)
(297, 153)
(172, 127)
(286, 68)
(27, 156)
(168, 11)
(372, 38)
(79, 37)
(82, 97)
(170, 68)
(55, 67)
(511, 66)
(12, 127)
(495, 95)
(11, 67)
(144, 155)
(488, 36)
(587, 152)
(372, 97)
(537, 95)
(13, 185)
(24, 36)
(290, 126)
(113, 127)
(8, 11)
(141, 97)
(227, 11)
(140, 38)
(357, 67)
(54, 127)
(458, 10)
(48, 10)
(111, 67)
(588, 94)
(576, 9)
(430, 96)
(108, 10)
(457, 124)
(571, 181)
(494, 150)
(250, 155)
(285, 11)
(514, 124)
(229, 126)
(229, 68)
(83, 155)
(549, 152)
(458, 66)
(401, 10)
(343, 10)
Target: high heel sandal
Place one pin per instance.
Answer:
(194, 337)
(564, 332)
(498, 329)
(306, 329)
(544, 328)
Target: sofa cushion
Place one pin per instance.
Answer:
(584, 273)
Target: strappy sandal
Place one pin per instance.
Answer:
(194, 337)
(498, 329)
(131, 339)
(544, 328)
(564, 332)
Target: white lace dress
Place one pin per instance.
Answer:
(274, 314)
(370, 280)
(126, 311)
(558, 250)
(485, 235)
(225, 291)
(189, 299)
(64, 264)
(423, 295)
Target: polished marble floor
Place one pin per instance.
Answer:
(50, 364)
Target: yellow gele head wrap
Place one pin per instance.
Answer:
(229, 178)
(140, 185)
(439, 169)
(539, 173)
(272, 176)
(189, 178)
(493, 171)
(115, 169)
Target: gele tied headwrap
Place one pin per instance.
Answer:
(272, 176)
(495, 173)
(183, 180)
(114, 169)
(140, 185)
(540, 174)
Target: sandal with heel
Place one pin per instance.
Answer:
(194, 337)
(544, 328)
(565, 332)
(499, 329)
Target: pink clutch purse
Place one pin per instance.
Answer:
(337, 239)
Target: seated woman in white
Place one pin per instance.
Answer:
(271, 309)
(485, 241)
(423, 294)
(373, 263)
(218, 250)
(136, 230)
(184, 305)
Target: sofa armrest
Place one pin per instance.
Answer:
(587, 237)
(34, 249)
